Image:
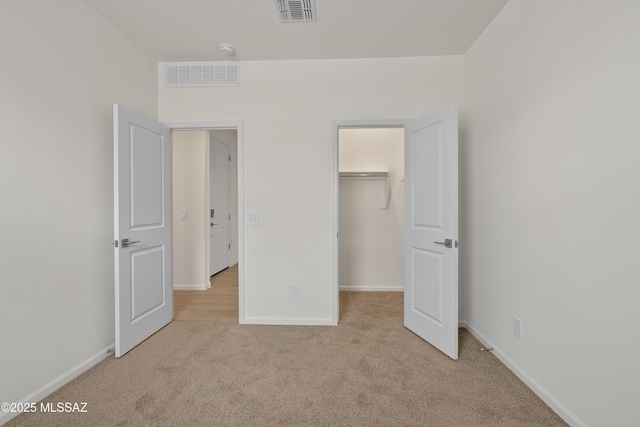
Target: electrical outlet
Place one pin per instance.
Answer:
(517, 328)
(295, 290)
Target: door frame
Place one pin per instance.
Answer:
(239, 127)
(337, 125)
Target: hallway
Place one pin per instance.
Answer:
(217, 304)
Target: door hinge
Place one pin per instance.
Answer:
(115, 243)
(229, 217)
(229, 158)
(229, 245)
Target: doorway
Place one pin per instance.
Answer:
(369, 207)
(192, 215)
(430, 254)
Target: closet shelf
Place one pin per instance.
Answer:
(382, 174)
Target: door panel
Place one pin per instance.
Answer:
(147, 283)
(427, 301)
(427, 170)
(143, 269)
(146, 178)
(431, 216)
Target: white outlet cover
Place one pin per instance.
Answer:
(517, 328)
(295, 290)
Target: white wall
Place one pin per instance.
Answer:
(190, 236)
(371, 238)
(63, 68)
(552, 190)
(288, 108)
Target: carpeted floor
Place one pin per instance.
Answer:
(368, 371)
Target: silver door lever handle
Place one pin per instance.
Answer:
(126, 242)
(448, 243)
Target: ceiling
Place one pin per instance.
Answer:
(192, 30)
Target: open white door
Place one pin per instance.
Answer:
(219, 209)
(431, 229)
(143, 258)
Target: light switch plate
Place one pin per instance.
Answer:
(184, 214)
(255, 217)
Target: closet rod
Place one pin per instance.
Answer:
(365, 174)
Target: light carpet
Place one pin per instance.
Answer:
(368, 371)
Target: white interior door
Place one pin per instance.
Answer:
(143, 269)
(219, 210)
(431, 229)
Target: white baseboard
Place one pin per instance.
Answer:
(355, 288)
(195, 287)
(568, 416)
(288, 321)
(58, 382)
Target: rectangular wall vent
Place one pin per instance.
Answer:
(201, 74)
(296, 10)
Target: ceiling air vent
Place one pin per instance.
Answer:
(296, 10)
(201, 74)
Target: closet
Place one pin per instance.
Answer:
(371, 209)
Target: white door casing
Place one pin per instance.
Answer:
(220, 192)
(143, 268)
(431, 217)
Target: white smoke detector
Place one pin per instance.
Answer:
(227, 49)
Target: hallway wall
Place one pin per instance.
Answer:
(190, 236)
